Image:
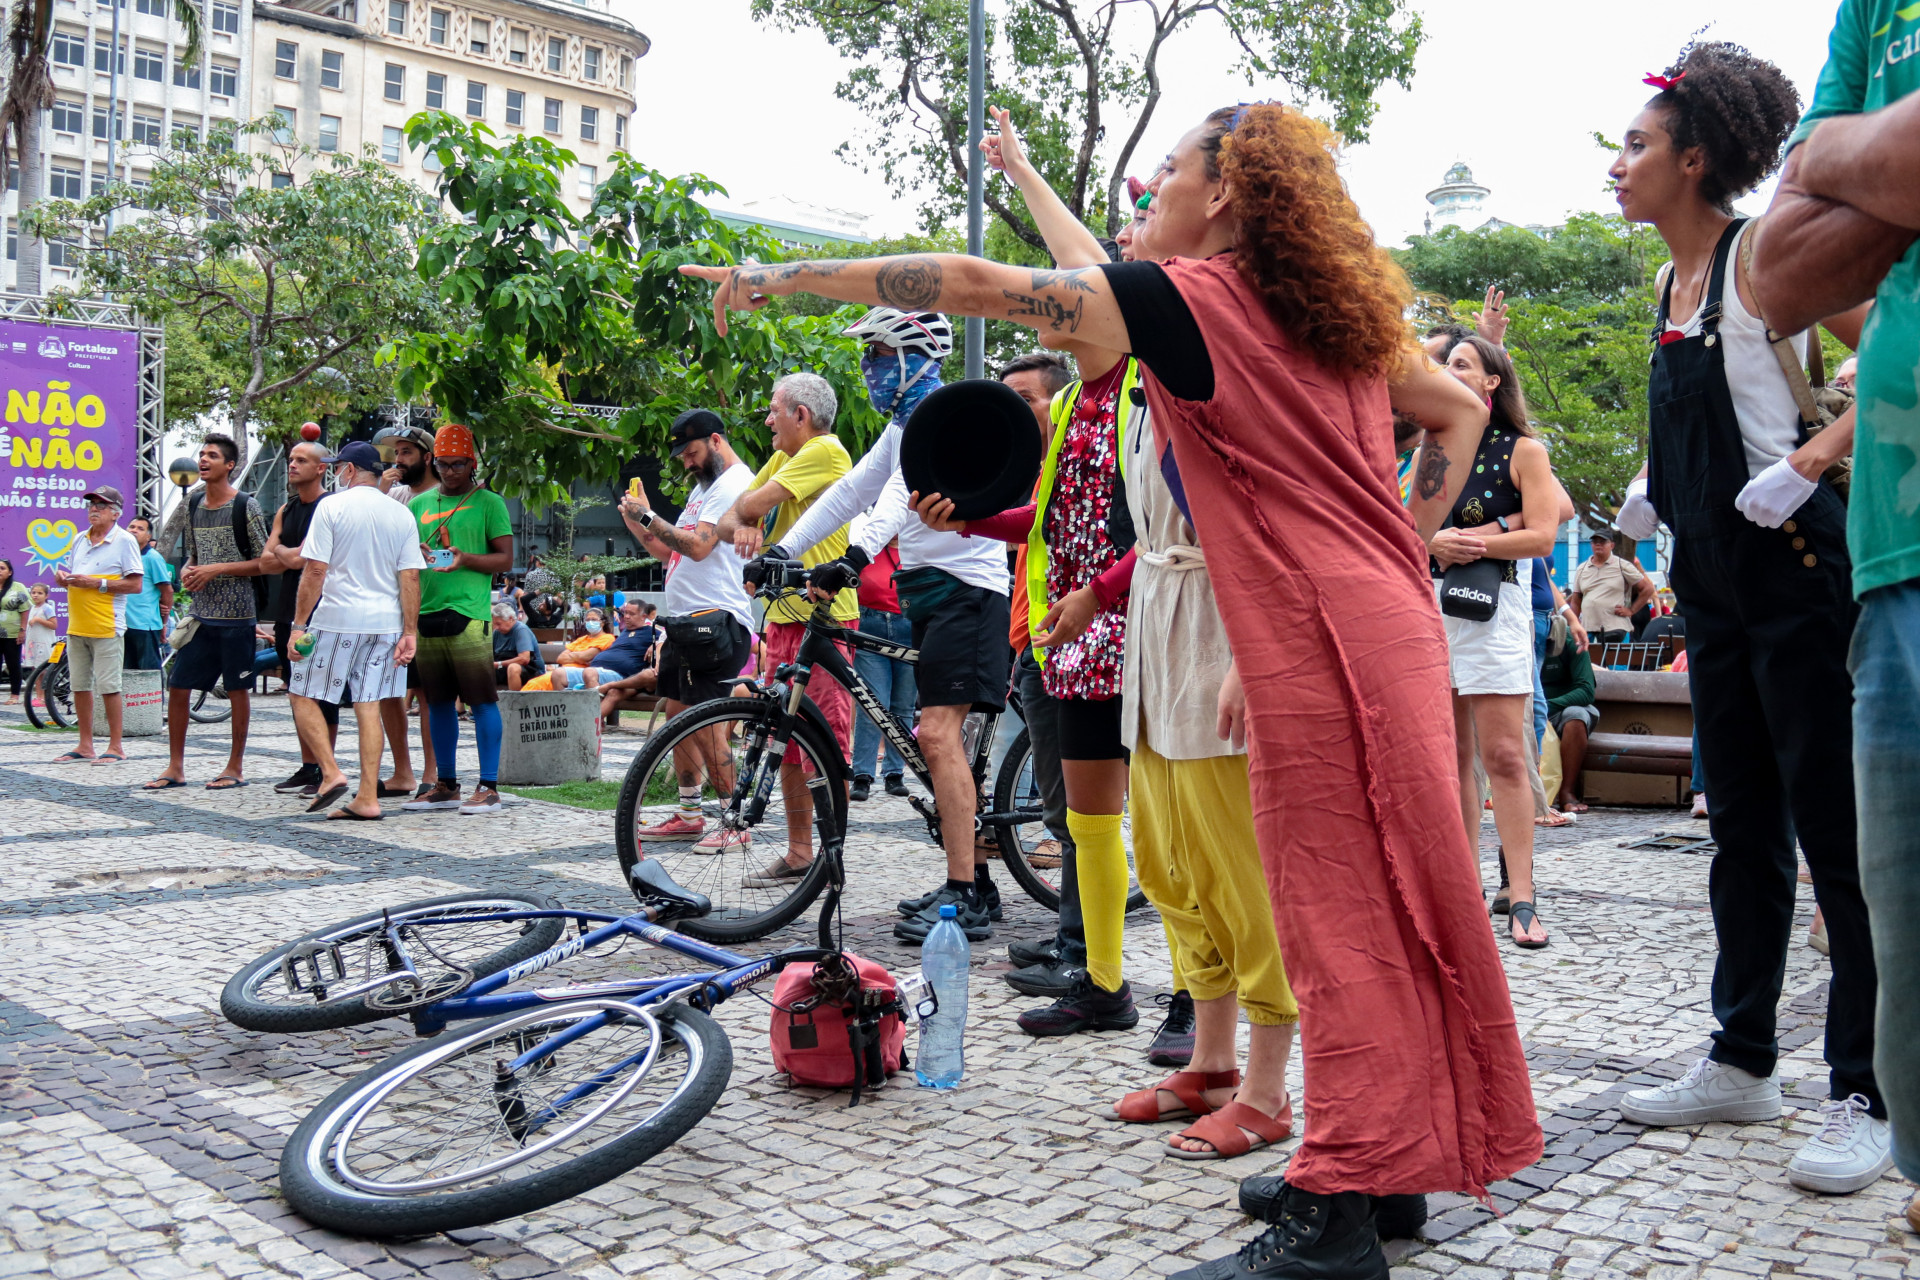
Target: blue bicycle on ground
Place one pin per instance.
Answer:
(555, 1092)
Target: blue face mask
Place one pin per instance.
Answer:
(893, 395)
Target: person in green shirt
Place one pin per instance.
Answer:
(1855, 146)
(466, 537)
(1566, 677)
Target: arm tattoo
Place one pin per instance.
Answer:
(789, 270)
(1063, 280)
(1431, 479)
(1051, 310)
(911, 284)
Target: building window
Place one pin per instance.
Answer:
(329, 133)
(104, 60)
(69, 117)
(225, 79)
(289, 120)
(589, 181)
(332, 62)
(619, 130)
(556, 54)
(63, 182)
(226, 19)
(396, 17)
(551, 117)
(590, 63)
(150, 64)
(431, 163)
(146, 130)
(100, 123)
(286, 56)
(396, 82)
(517, 46)
(626, 70)
(390, 140)
(97, 185)
(13, 175)
(516, 108)
(589, 124)
(476, 99)
(437, 25)
(13, 240)
(479, 35)
(69, 51)
(185, 77)
(63, 253)
(436, 92)
(158, 8)
(282, 180)
(186, 133)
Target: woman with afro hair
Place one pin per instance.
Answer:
(1272, 329)
(1760, 564)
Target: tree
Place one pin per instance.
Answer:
(1075, 77)
(569, 312)
(278, 281)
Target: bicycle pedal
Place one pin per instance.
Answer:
(311, 967)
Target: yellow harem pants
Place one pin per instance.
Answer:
(1196, 858)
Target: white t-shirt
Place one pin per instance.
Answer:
(117, 556)
(365, 539)
(713, 583)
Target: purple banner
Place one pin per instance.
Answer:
(71, 423)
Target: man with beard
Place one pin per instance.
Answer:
(408, 478)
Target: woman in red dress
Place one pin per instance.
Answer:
(1271, 330)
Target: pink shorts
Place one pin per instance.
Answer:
(783, 645)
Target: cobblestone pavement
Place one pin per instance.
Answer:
(139, 1132)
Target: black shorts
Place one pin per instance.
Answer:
(142, 650)
(964, 652)
(219, 652)
(1089, 730)
(713, 680)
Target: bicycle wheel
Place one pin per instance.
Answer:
(1017, 791)
(57, 693)
(739, 728)
(268, 995)
(449, 1135)
(210, 706)
(38, 716)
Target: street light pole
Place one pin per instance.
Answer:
(976, 170)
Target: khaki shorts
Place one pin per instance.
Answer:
(93, 663)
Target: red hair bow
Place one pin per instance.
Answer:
(1662, 83)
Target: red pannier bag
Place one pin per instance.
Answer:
(828, 1035)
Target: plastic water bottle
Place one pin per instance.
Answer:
(943, 961)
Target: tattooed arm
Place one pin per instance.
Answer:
(1454, 419)
(1071, 304)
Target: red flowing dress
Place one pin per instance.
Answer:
(1415, 1078)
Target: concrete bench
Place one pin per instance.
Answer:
(1641, 751)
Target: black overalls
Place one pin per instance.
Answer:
(1770, 613)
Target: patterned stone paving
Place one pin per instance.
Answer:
(139, 1132)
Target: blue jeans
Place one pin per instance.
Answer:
(892, 683)
(1886, 759)
(1542, 627)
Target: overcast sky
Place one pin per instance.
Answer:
(1513, 87)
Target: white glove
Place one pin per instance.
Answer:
(1774, 494)
(1637, 519)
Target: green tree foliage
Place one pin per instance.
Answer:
(1080, 75)
(571, 311)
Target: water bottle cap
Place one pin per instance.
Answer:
(948, 911)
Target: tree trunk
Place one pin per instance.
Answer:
(33, 185)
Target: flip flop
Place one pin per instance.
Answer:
(1522, 914)
(393, 793)
(344, 814)
(1226, 1131)
(71, 757)
(1555, 818)
(1143, 1105)
(105, 756)
(233, 783)
(163, 784)
(327, 797)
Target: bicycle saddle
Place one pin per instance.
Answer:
(655, 888)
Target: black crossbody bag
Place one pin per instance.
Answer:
(1471, 592)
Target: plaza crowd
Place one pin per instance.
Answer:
(1281, 593)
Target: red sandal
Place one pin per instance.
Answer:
(1142, 1106)
(1226, 1130)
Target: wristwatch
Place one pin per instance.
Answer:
(647, 518)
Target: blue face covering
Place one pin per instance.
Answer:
(891, 394)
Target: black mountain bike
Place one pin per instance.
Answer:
(737, 746)
(49, 700)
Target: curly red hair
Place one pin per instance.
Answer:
(1301, 241)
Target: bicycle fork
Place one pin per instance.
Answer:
(758, 780)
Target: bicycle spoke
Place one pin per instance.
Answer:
(365, 955)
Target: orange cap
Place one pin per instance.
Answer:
(454, 441)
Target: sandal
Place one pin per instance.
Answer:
(1142, 1106)
(1554, 818)
(1521, 916)
(1226, 1131)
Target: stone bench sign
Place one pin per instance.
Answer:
(549, 738)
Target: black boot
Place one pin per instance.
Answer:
(1396, 1217)
(1314, 1238)
(861, 789)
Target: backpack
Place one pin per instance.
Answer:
(827, 1035)
(241, 500)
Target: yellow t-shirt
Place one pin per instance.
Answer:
(806, 475)
(90, 613)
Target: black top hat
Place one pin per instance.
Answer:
(976, 443)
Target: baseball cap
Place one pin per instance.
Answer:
(105, 493)
(454, 441)
(419, 436)
(694, 424)
(358, 453)
(1603, 535)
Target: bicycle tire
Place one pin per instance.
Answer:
(34, 691)
(1013, 852)
(199, 700)
(311, 1182)
(241, 1005)
(58, 694)
(733, 919)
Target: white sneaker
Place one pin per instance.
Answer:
(1700, 804)
(1851, 1150)
(1710, 1091)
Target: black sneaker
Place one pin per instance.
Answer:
(1173, 1043)
(305, 774)
(1394, 1217)
(896, 785)
(1028, 953)
(1313, 1238)
(861, 789)
(975, 922)
(1048, 980)
(1083, 1008)
(911, 907)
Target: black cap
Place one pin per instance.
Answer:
(360, 454)
(1603, 535)
(974, 442)
(694, 424)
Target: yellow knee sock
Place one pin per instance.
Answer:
(1100, 860)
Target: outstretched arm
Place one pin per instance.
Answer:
(1068, 239)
